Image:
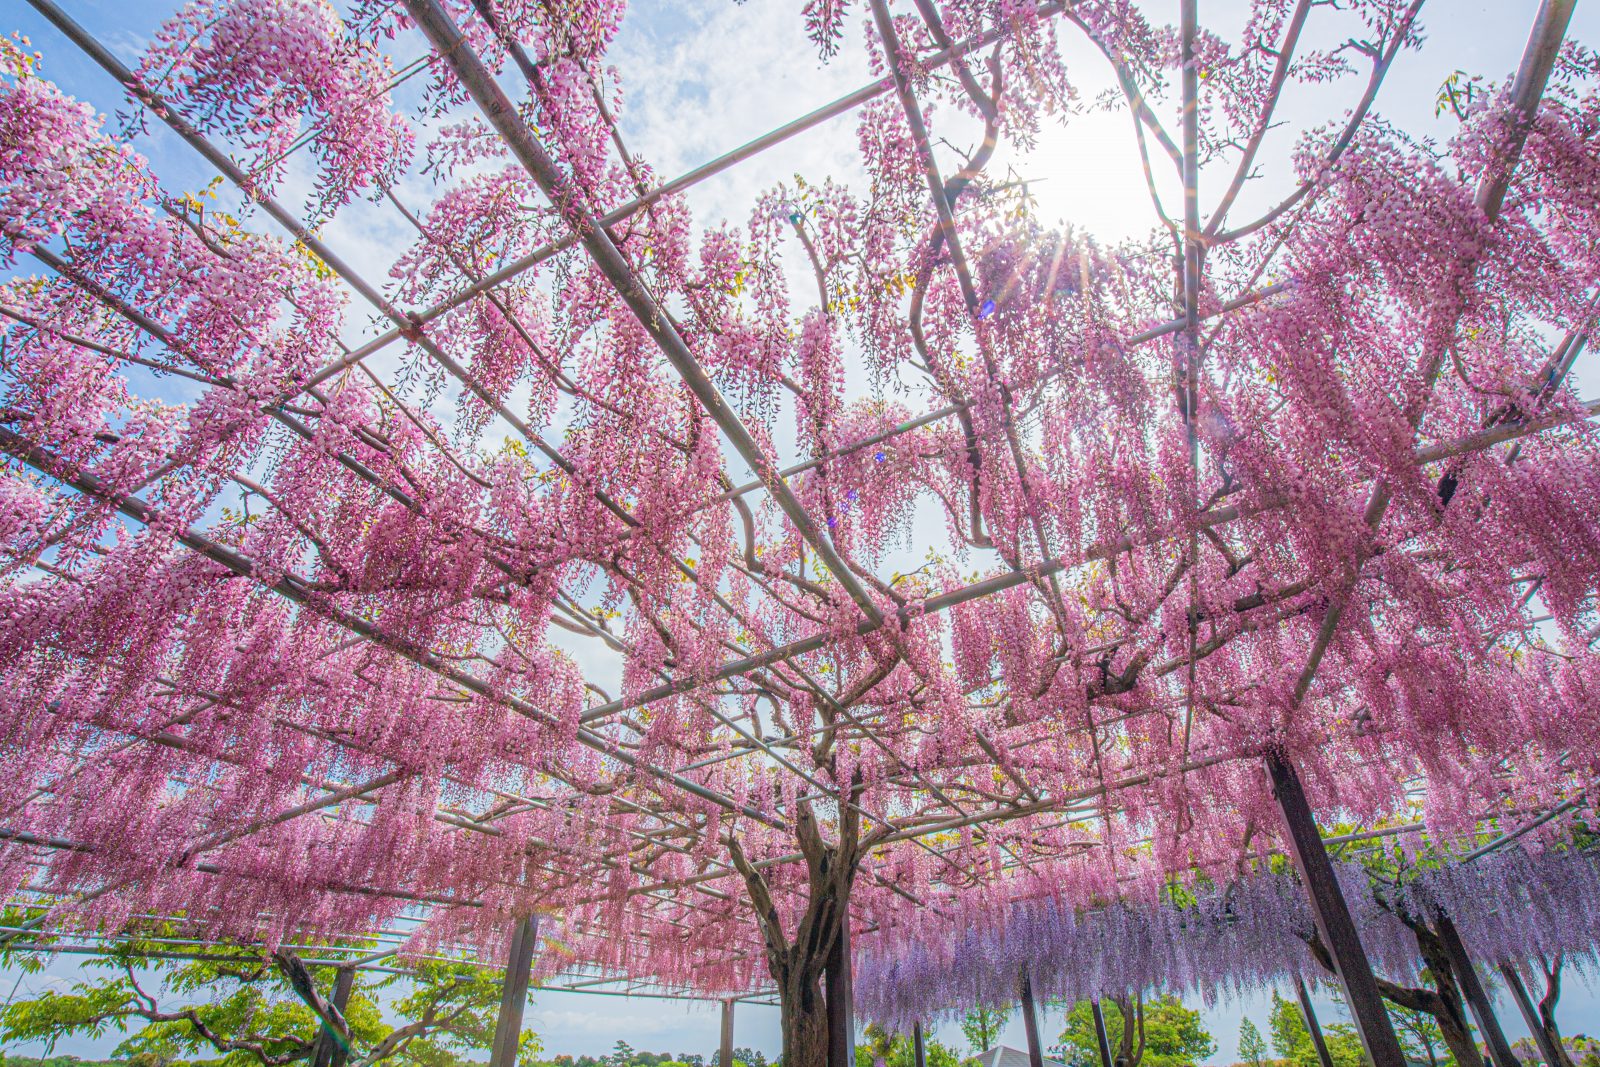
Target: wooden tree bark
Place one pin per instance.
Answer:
(797, 964)
(1547, 1008)
(330, 1013)
(919, 1051)
(1444, 1002)
(330, 1051)
(1541, 1020)
(1130, 1047)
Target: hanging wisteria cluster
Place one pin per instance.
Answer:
(288, 604)
(1224, 940)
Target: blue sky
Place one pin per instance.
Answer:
(703, 77)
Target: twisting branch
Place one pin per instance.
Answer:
(1247, 158)
(1380, 70)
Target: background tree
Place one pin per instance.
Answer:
(1291, 1038)
(897, 1050)
(638, 1058)
(236, 1011)
(1252, 1048)
(1420, 1037)
(1172, 1035)
(982, 1026)
(876, 1045)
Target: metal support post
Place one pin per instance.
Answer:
(1030, 1023)
(514, 993)
(1324, 1057)
(1332, 915)
(1100, 1033)
(841, 1014)
(1494, 1038)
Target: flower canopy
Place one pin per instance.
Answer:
(606, 560)
(1229, 939)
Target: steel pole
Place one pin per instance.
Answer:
(1100, 1033)
(841, 1014)
(1030, 1022)
(1332, 915)
(514, 993)
(1314, 1027)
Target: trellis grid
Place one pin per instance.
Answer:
(953, 819)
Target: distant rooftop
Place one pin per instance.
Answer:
(1005, 1056)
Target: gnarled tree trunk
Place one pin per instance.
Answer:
(797, 964)
(804, 1018)
(1547, 1012)
(1130, 1051)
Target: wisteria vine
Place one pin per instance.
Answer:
(929, 544)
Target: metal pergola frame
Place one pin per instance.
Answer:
(591, 234)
